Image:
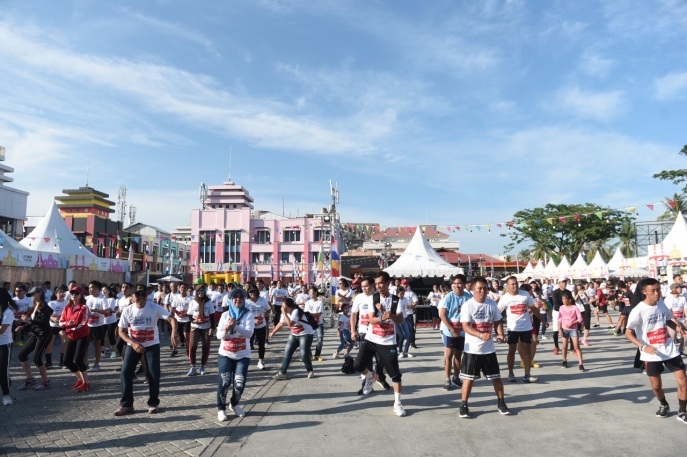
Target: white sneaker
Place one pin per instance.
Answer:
(367, 387)
(398, 409)
(336, 355)
(311, 374)
(95, 368)
(222, 415)
(202, 370)
(279, 376)
(237, 410)
(261, 366)
(544, 337)
(192, 372)
(409, 355)
(6, 400)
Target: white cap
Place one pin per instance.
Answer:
(562, 278)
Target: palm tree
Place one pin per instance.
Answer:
(601, 246)
(524, 256)
(627, 240)
(538, 251)
(680, 205)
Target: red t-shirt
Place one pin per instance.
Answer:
(600, 298)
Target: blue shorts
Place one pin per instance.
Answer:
(570, 333)
(454, 343)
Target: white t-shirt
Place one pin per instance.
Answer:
(649, 323)
(123, 302)
(278, 296)
(194, 312)
(298, 327)
(156, 297)
(481, 316)
(142, 323)
(434, 298)
(180, 307)
(344, 296)
(23, 304)
(151, 297)
(169, 298)
(315, 306)
(412, 299)
(495, 296)
(404, 303)
(7, 319)
(112, 304)
(57, 308)
(264, 293)
(518, 318)
(96, 303)
(362, 304)
(236, 344)
(345, 322)
(221, 301)
(258, 309)
(676, 306)
(383, 333)
(301, 299)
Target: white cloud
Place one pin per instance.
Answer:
(595, 65)
(601, 106)
(671, 86)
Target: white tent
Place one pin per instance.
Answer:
(616, 261)
(52, 235)
(420, 260)
(13, 254)
(550, 269)
(539, 268)
(579, 267)
(529, 268)
(597, 267)
(563, 268)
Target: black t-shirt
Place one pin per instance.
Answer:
(557, 299)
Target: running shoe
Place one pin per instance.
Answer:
(534, 364)
(238, 411)
(222, 415)
(511, 377)
(202, 370)
(403, 356)
(95, 368)
(464, 411)
(77, 384)
(173, 353)
(581, 368)
(457, 382)
(585, 342)
(152, 410)
(663, 411)
(43, 385)
(555, 351)
(6, 400)
(48, 366)
(565, 364)
(261, 366)
(27, 383)
(19, 344)
(408, 355)
(279, 376)
(311, 374)
(530, 378)
(123, 411)
(335, 355)
(413, 346)
(448, 385)
(522, 364)
(682, 417)
(367, 387)
(596, 326)
(614, 332)
(319, 358)
(503, 409)
(84, 387)
(398, 409)
(114, 355)
(192, 372)
(544, 337)
(383, 384)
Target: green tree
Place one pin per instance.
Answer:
(675, 176)
(538, 252)
(680, 205)
(566, 238)
(524, 256)
(601, 246)
(627, 236)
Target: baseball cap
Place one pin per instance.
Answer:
(77, 290)
(404, 281)
(562, 278)
(35, 290)
(675, 286)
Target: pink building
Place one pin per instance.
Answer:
(229, 235)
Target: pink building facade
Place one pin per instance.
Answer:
(229, 235)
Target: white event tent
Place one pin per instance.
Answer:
(420, 260)
(539, 268)
(52, 235)
(529, 268)
(579, 268)
(616, 261)
(13, 254)
(563, 268)
(597, 267)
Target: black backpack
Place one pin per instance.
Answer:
(348, 366)
(309, 319)
(375, 302)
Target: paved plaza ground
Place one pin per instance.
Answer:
(607, 410)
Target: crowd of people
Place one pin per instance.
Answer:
(377, 316)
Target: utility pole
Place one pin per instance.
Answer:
(121, 204)
(328, 223)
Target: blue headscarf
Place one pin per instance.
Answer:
(235, 312)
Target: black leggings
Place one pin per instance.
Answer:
(587, 317)
(112, 332)
(74, 354)
(199, 334)
(5, 353)
(259, 335)
(40, 344)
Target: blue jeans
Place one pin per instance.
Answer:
(319, 335)
(304, 343)
(126, 375)
(402, 334)
(410, 320)
(231, 370)
(345, 340)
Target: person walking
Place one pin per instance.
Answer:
(37, 320)
(74, 322)
(7, 310)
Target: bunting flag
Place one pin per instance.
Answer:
(562, 219)
(671, 203)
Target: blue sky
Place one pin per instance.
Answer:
(447, 112)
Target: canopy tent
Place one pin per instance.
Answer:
(671, 251)
(550, 269)
(563, 268)
(539, 268)
(420, 260)
(13, 254)
(52, 235)
(523, 276)
(169, 279)
(529, 268)
(579, 267)
(597, 267)
(616, 261)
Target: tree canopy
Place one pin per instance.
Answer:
(675, 176)
(564, 229)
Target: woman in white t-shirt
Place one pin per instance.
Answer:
(110, 294)
(434, 298)
(7, 310)
(57, 304)
(344, 294)
(261, 310)
(234, 331)
(315, 307)
(301, 337)
(202, 314)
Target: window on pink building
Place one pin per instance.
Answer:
(291, 236)
(261, 237)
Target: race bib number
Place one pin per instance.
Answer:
(364, 320)
(297, 329)
(93, 318)
(679, 314)
(180, 314)
(484, 327)
(279, 298)
(205, 320)
(143, 336)
(658, 336)
(518, 309)
(18, 315)
(259, 320)
(383, 329)
(234, 345)
(457, 325)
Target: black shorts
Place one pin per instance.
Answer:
(98, 333)
(387, 356)
(603, 309)
(434, 311)
(673, 365)
(626, 311)
(524, 337)
(473, 364)
(454, 343)
(183, 327)
(55, 330)
(621, 306)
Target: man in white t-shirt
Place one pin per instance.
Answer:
(677, 279)
(479, 315)
(649, 322)
(315, 307)
(138, 327)
(413, 301)
(381, 340)
(277, 297)
(98, 310)
(516, 303)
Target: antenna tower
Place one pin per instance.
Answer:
(329, 219)
(132, 215)
(121, 204)
(203, 194)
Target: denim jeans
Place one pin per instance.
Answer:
(402, 335)
(345, 339)
(410, 320)
(231, 370)
(131, 359)
(319, 335)
(303, 342)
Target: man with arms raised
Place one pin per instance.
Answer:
(516, 303)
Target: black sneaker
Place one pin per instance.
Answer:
(682, 417)
(360, 392)
(384, 385)
(448, 385)
(565, 364)
(663, 411)
(511, 377)
(48, 366)
(456, 382)
(173, 353)
(581, 368)
(503, 409)
(596, 326)
(464, 411)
